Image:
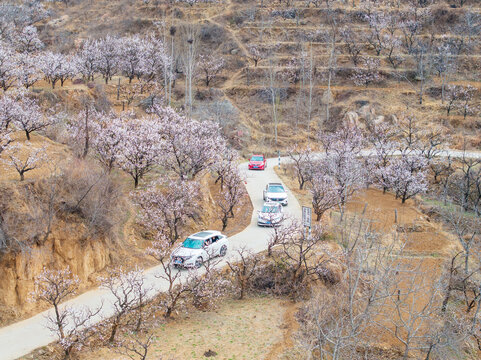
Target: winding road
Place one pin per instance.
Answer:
(25, 336)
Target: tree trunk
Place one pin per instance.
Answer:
(242, 288)
(27, 133)
(59, 322)
(114, 331)
(86, 145)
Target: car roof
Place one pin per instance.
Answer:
(275, 184)
(205, 234)
(257, 155)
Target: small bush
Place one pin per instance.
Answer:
(285, 14)
(212, 34)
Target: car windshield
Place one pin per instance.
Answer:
(276, 189)
(270, 209)
(193, 243)
(257, 158)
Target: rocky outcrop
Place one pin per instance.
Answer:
(64, 247)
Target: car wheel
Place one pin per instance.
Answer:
(223, 250)
(198, 262)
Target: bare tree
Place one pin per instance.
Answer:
(466, 229)
(445, 65)
(272, 86)
(331, 37)
(134, 345)
(406, 314)
(243, 269)
(178, 289)
(282, 230)
(468, 180)
(207, 287)
(303, 163)
(333, 323)
(419, 55)
(53, 287)
(127, 288)
(189, 45)
(77, 328)
(353, 44)
(304, 255)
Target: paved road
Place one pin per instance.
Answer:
(25, 336)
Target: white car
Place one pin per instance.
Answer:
(275, 192)
(198, 248)
(271, 214)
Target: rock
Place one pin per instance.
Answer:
(234, 51)
(210, 353)
(352, 118)
(365, 111)
(410, 228)
(59, 21)
(378, 120)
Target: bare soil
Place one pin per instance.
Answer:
(243, 330)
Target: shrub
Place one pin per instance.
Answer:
(212, 34)
(77, 194)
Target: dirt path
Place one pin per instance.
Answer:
(289, 326)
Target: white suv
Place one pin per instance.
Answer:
(275, 192)
(270, 215)
(198, 248)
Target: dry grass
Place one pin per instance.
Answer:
(248, 329)
(57, 155)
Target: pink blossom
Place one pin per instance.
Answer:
(166, 205)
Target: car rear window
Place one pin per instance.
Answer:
(257, 158)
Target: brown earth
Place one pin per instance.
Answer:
(248, 329)
(426, 245)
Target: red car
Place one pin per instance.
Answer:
(257, 162)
